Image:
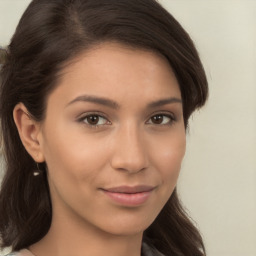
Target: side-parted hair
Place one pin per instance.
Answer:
(49, 35)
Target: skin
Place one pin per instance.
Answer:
(129, 146)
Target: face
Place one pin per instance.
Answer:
(113, 139)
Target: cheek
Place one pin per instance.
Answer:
(74, 159)
(73, 169)
(168, 156)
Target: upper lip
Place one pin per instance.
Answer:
(130, 189)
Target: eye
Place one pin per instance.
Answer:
(94, 120)
(161, 119)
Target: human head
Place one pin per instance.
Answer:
(52, 33)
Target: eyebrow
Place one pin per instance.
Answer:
(112, 104)
(95, 99)
(163, 102)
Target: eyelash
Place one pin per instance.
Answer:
(88, 115)
(171, 118)
(82, 119)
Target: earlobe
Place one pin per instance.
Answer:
(29, 131)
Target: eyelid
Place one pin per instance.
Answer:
(164, 113)
(91, 112)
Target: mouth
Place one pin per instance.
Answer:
(129, 196)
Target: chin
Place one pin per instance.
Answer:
(128, 226)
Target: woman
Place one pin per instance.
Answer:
(95, 101)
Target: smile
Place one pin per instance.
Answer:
(129, 196)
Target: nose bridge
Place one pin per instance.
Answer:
(130, 151)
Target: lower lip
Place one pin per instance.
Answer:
(135, 199)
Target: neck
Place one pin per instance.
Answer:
(69, 236)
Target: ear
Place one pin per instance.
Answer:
(29, 131)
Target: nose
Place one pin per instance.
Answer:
(130, 152)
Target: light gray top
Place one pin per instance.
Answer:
(23, 252)
(147, 251)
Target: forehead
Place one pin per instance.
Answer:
(119, 72)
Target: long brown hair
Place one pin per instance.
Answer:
(2, 55)
(51, 33)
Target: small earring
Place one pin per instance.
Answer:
(38, 171)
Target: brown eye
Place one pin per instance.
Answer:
(158, 119)
(94, 120)
(161, 119)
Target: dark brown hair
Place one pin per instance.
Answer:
(2, 55)
(50, 34)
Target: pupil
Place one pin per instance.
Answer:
(93, 119)
(158, 119)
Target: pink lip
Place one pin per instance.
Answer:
(129, 196)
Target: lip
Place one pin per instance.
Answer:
(129, 195)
